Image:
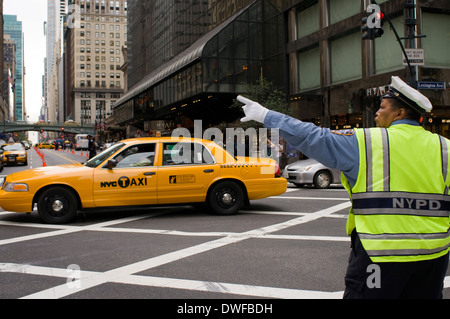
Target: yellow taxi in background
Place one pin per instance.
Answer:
(144, 171)
(14, 153)
(45, 145)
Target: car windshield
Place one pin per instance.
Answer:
(100, 158)
(13, 147)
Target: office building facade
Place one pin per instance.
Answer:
(93, 42)
(336, 78)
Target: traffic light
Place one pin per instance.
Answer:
(371, 26)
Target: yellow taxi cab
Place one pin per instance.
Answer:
(45, 145)
(14, 153)
(144, 171)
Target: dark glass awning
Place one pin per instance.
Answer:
(184, 59)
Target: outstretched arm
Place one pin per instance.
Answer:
(333, 149)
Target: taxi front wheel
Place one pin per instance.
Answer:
(57, 205)
(226, 198)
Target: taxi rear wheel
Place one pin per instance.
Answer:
(226, 198)
(57, 205)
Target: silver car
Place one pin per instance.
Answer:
(311, 172)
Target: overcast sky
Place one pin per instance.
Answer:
(32, 13)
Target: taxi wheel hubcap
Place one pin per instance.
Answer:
(57, 206)
(226, 198)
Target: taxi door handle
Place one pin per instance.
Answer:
(150, 173)
(208, 171)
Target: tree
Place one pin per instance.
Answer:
(264, 92)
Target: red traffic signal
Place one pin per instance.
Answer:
(378, 31)
(371, 26)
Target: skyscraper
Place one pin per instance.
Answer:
(14, 29)
(53, 31)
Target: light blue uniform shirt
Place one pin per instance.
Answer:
(335, 149)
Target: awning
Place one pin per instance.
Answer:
(190, 55)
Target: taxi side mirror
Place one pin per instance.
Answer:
(111, 164)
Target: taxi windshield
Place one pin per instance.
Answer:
(13, 147)
(100, 158)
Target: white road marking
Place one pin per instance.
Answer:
(126, 274)
(89, 279)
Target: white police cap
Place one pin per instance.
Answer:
(408, 96)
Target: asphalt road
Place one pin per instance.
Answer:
(291, 246)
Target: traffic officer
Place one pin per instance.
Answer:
(398, 182)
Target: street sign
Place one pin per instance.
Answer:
(431, 85)
(415, 56)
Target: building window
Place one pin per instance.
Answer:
(309, 69)
(343, 9)
(346, 58)
(435, 27)
(308, 21)
(85, 111)
(100, 110)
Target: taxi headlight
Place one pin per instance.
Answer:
(15, 187)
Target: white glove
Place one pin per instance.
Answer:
(253, 111)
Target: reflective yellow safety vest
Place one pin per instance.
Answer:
(400, 202)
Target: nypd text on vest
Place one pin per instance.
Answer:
(412, 203)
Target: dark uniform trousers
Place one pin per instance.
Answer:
(399, 280)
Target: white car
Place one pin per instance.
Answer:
(311, 172)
